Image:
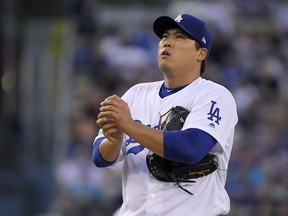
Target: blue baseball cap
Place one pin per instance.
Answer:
(191, 25)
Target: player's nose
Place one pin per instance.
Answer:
(167, 43)
(164, 45)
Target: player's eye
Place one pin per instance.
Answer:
(180, 36)
(165, 35)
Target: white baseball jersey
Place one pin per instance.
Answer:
(213, 110)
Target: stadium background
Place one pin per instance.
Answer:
(60, 58)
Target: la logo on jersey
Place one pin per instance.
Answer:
(214, 114)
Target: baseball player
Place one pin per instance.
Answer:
(131, 128)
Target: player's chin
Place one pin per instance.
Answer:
(164, 66)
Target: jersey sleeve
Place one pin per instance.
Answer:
(187, 146)
(215, 113)
(96, 156)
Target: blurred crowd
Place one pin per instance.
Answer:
(249, 56)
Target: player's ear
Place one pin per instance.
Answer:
(202, 53)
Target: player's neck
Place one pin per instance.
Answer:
(178, 82)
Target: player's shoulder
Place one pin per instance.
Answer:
(147, 85)
(210, 85)
(210, 88)
(145, 88)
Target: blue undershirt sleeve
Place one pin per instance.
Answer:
(96, 156)
(188, 146)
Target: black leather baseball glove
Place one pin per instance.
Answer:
(172, 171)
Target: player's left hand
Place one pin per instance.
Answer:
(115, 108)
(110, 130)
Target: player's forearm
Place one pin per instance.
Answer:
(146, 136)
(109, 151)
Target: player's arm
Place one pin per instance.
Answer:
(115, 108)
(108, 147)
(188, 146)
(148, 137)
(97, 157)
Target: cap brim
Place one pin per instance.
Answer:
(162, 24)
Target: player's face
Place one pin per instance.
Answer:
(178, 55)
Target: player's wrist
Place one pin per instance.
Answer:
(130, 126)
(109, 150)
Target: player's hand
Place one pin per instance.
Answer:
(110, 130)
(117, 109)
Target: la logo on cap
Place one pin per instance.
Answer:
(204, 40)
(179, 18)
